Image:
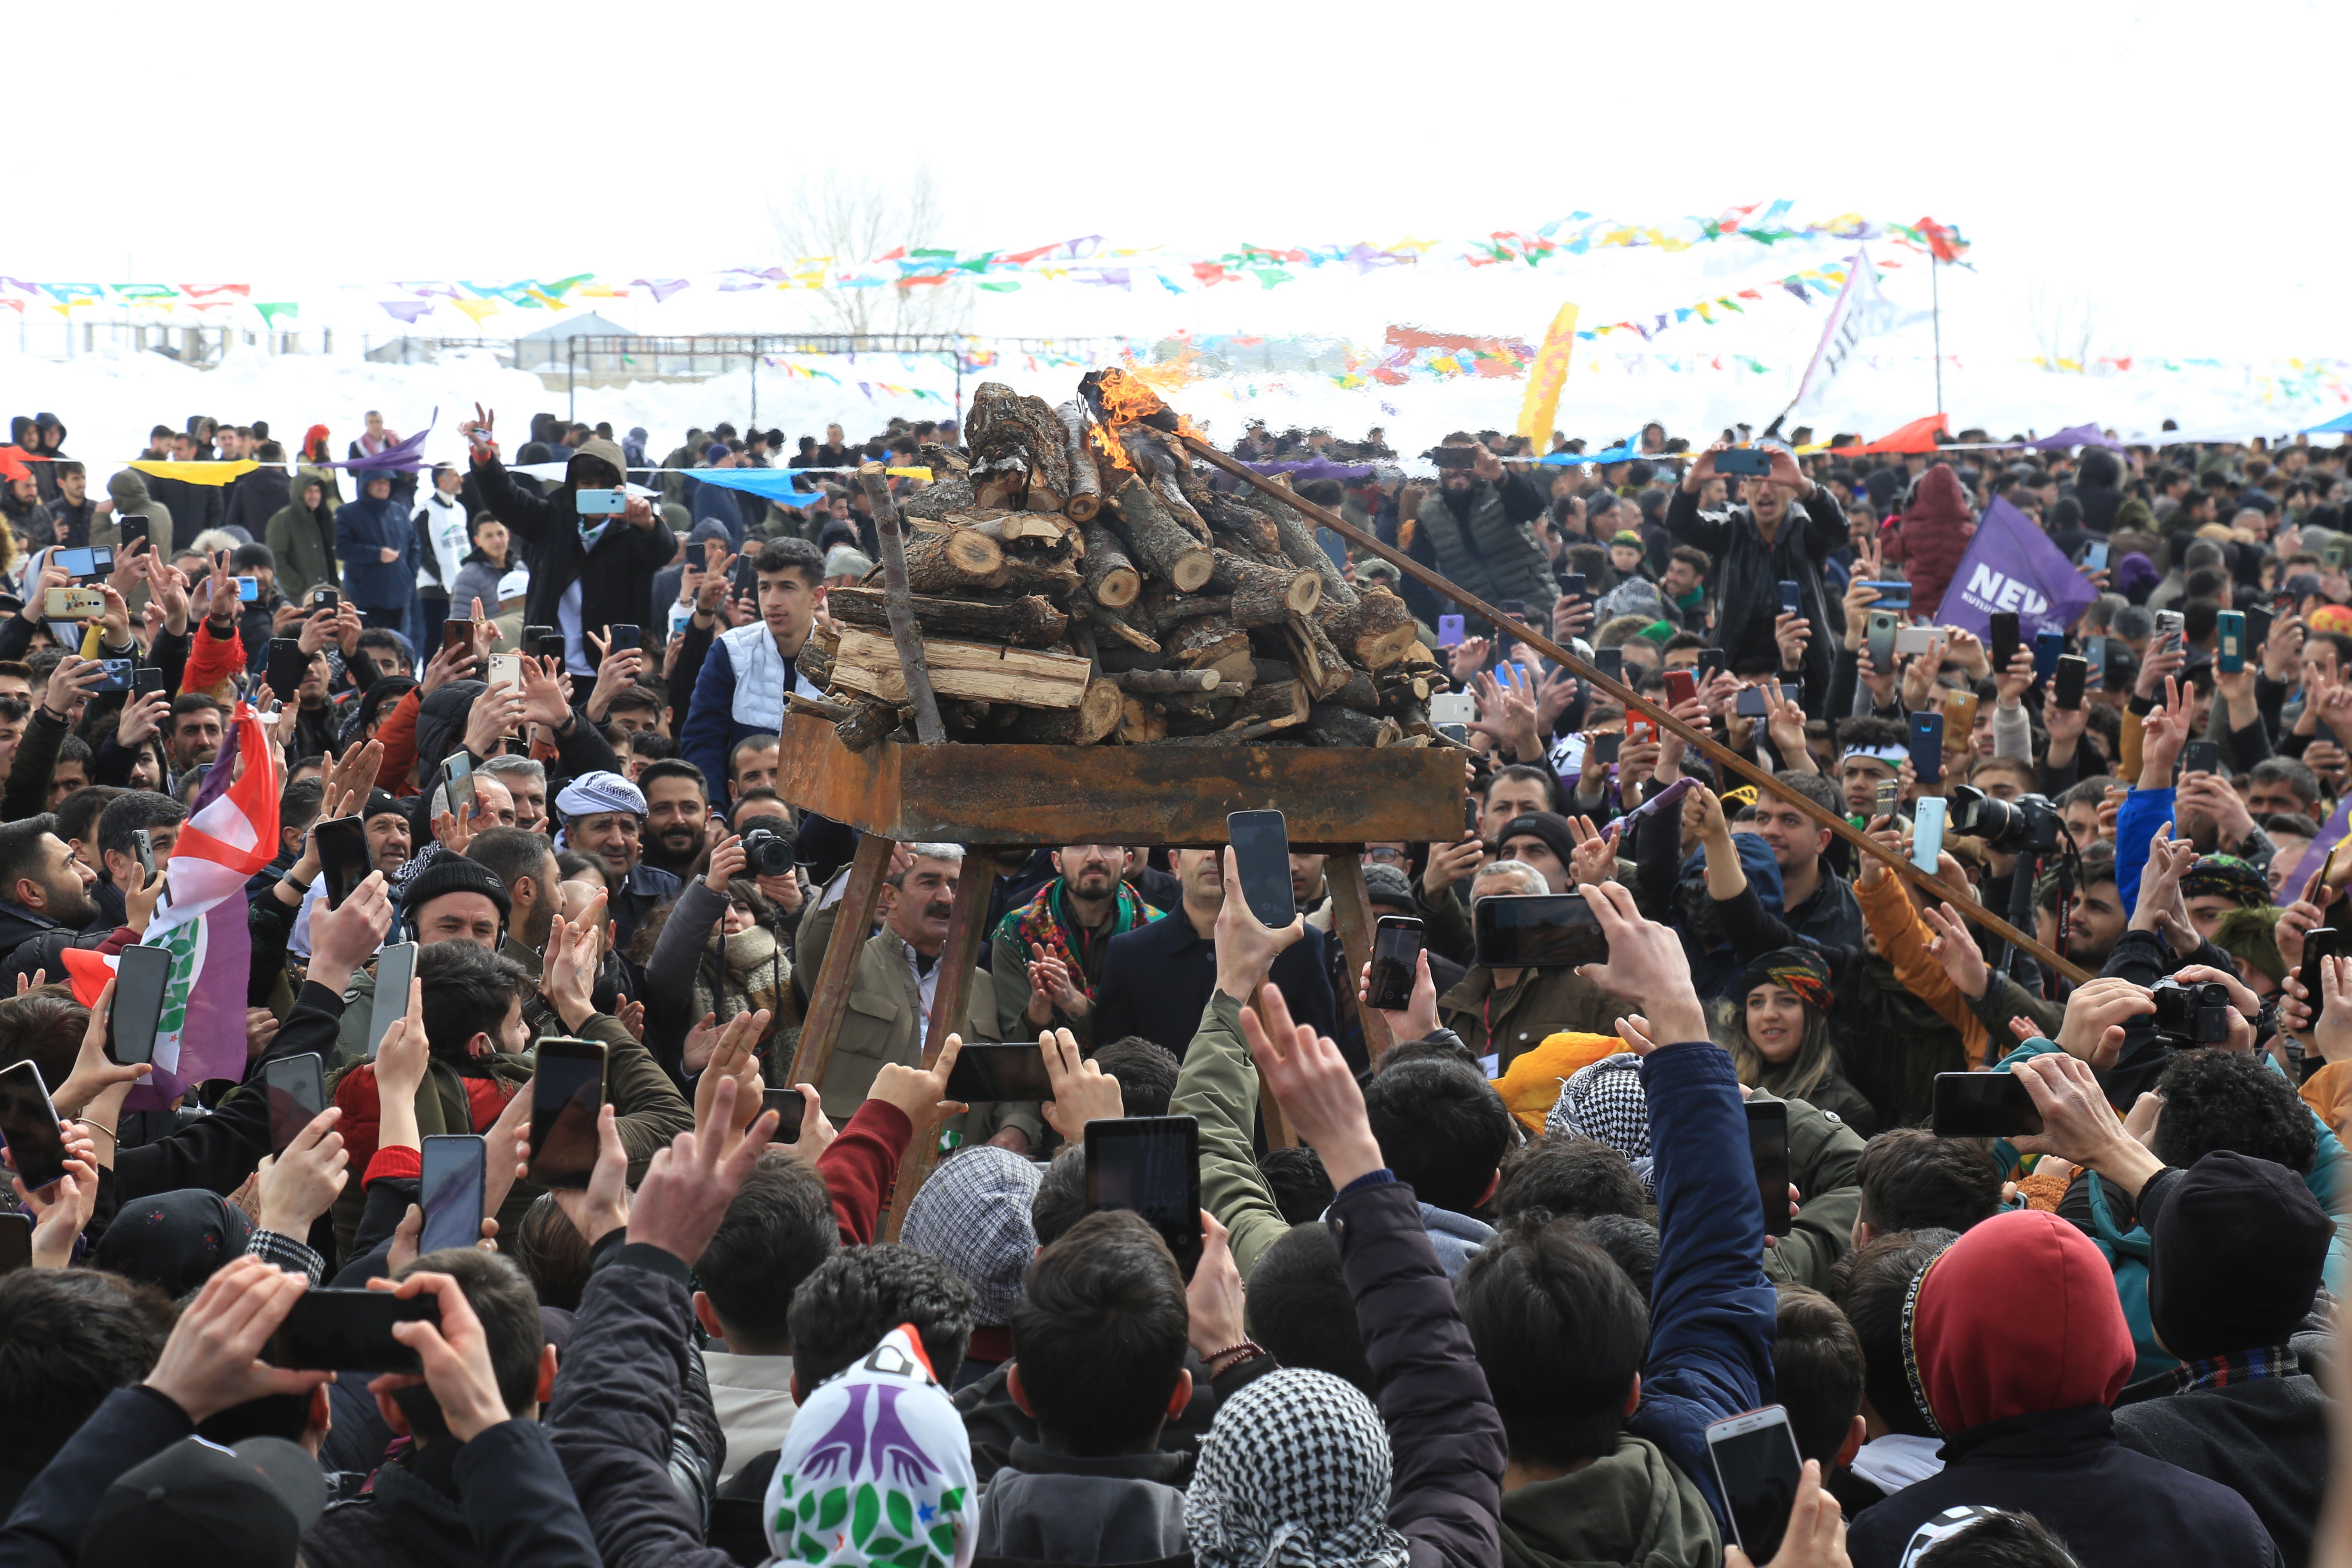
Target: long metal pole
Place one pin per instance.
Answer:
(1707, 744)
(1936, 303)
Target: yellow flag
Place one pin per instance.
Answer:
(1545, 378)
(196, 473)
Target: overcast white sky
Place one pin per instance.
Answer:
(2166, 161)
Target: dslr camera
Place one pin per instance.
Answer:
(2026, 826)
(768, 852)
(2193, 1014)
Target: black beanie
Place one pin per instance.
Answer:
(2238, 1248)
(1548, 826)
(456, 874)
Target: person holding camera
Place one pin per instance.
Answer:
(714, 951)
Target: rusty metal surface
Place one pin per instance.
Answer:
(1331, 797)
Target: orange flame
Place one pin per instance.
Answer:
(1124, 399)
(1111, 455)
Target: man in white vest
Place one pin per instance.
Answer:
(741, 691)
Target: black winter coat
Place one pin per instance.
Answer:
(2113, 1508)
(2265, 1440)
(1746, 572)
(1445, 1497)
(612, 576)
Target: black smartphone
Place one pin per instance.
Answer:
(1396, 958)
(143, 849)
(567, 1090)
(1792, 598)
(791, 1107)
(1607, 745)
(2005, 642)
(140, 973)
(1927, 746)
(2258, 628)
(624, 637)
(1768, 1146)
(297, 1093)
(1749, 703)
(548, 646)
(1983, 1105)
(286, 664)
(1452, 457)
(101, 559)
(2324, 941)
(1151, 1164)
(989, 1074)
(342, 856)
(1757, 1469)
(2066, 687)
(326, 599)
(1573, 585)
(131, 528)
(2200, 757)
(531, 635)
(146, 680)
(1538, 930)
(1710, 664)
(451, 1189)
(15, 1242)
(395, 968)
(349, 1330)
(1262, 856)
(1610, 661)
(457, 775)
(28, 1126)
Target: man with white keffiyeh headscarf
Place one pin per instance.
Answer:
(1295, 1475)
(1605, 1103)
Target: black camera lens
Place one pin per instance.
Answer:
(769, 852)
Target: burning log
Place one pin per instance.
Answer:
(1029, 621)
(1161, 546)
(1086, 481)
(1019, 448)
(1264, 595)
(1110, 578)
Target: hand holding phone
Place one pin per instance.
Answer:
(1396, 960)
(1262, 860)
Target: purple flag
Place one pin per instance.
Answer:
(408, 310)
(404, 455)
(2072, 436)
(2011, 564)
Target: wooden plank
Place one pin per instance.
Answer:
(983, 672)
(950, 998)
(829, 997)
(1178, 797)
(1351, 921)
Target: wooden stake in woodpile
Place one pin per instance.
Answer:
(1020, 450)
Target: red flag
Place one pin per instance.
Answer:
(1920, 436)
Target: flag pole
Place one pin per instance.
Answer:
(1936, 304)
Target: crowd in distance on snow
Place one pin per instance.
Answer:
(1487, 1304)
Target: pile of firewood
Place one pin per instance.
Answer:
(1077, 582)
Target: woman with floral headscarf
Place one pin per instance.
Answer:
(1779, 1038)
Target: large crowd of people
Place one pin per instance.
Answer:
(1475, 1296)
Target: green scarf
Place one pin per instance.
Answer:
(1045, 921)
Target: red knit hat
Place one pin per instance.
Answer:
(2019, 1315)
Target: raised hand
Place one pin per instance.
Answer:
(689, 1185)
(1083, 1092)
(1318, 1093)
(1645, 960)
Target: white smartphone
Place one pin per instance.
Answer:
(1916, 640)
(1927, 832)
(505, 669)
(1453, 708)
(1757, 1469)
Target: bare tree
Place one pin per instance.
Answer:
(2065, 326)
(852, 221)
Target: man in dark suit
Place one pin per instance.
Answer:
(1157, 978)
